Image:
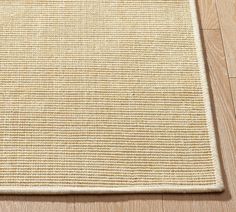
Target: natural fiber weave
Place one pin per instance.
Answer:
(104, 96)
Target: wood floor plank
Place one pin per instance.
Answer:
(227, 136)
(208, 14)
(119, 203)
(227, 18)
(233, 89)
(36, 203)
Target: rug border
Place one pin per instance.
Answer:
(165, 188)
(206, 95)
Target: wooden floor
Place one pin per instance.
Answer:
(218, 23)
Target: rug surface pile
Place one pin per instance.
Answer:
(100, 96)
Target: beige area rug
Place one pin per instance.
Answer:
(104, 96)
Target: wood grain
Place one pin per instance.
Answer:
(208, 14)
(36, 203)
(118, 203)
(233, 89)
(227, 135)
(227, 18)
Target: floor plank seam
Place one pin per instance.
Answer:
(234, 103)
(225, 58)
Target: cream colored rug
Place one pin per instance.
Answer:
(104, 96)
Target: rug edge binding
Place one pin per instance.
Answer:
(206, 96)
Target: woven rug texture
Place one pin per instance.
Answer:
(100, 96)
